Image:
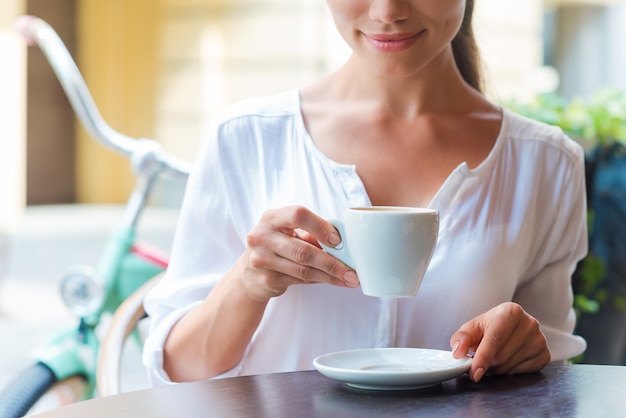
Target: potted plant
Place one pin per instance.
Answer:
(599, 124)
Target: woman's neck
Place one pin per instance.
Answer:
(438, 88)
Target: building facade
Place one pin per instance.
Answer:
(161, 68)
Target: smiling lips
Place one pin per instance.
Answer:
(393, 42)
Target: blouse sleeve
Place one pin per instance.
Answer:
(205, 246)
(547, 294)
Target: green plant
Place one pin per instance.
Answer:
(589, 292)
(599, 120)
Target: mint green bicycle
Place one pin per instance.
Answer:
(125, 263)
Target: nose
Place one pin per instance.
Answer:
(389, 11)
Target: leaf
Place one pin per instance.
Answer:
(585, 305)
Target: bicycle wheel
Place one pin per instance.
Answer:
(38, 388)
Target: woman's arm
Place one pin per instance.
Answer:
(282, 250)
(537, 326)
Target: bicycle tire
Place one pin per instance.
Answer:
(25, 390)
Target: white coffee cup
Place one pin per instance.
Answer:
(390, 247)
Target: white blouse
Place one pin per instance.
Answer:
(512, 229)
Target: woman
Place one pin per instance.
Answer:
(402, 122)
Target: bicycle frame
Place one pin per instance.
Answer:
(124, 265)
(120, 270)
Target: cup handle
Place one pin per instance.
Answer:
(341, 251)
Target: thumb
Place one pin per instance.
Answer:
(466, 339)
(462, 342)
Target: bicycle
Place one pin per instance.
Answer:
(125, 264)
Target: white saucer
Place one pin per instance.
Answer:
(391, 368)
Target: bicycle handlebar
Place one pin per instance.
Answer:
(145, 154)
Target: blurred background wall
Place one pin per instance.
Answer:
(161, 68)
(12, 119)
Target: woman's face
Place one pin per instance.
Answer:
(398, 37)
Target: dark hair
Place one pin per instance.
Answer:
(465, 50)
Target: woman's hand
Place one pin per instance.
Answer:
(505, 339)
(283, 249)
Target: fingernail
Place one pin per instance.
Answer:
(455, 347)
(478, 374)
(351, 278)
(334, 239)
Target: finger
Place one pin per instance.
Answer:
(530, 365)
(276, 273)
(466, 340)
(526, 341)
(299, 217)
(496, 337)
(348, 275)
(532, 355)
(522, 362)
(465, 344)
(305, 236)
(298, 259)
(310, 264)
(294, 273)
(462, 343)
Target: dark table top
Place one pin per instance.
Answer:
(556, 391)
